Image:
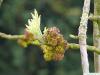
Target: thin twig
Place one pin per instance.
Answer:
(74, 36)
(10, 37)
(1, 2)
(70, 45)
(90, 48)
(94, 17)
(82, 37)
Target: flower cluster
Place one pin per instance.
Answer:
(51, 41)
(55, 45)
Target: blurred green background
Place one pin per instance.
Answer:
(64, 14)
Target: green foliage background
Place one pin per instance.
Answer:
(64, 14)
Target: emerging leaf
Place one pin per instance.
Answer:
(34, 25)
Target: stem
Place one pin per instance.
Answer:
(11, 37)
(90, 48)
(82, 37)
(94, 17)
(74, 36)
(96, 31)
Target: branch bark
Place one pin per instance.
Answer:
(82, 37)
(96, 31)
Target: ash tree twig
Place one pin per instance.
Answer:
(82, 36)
(90, 48)
(11, 37)
(94, 17)
(70, 45)
(73, 36)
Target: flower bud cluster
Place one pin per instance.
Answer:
(55, 45)
(51, 41)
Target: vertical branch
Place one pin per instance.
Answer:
(1, 2)
(96, 31)
(82, 36)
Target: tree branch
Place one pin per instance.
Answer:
(96, 32)
(70, 45)
(82, 36)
